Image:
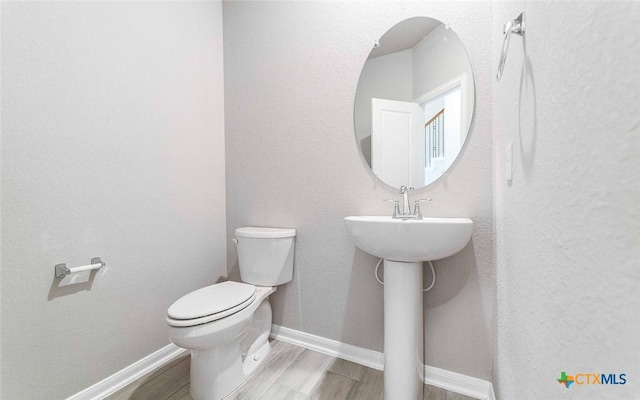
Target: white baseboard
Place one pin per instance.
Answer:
(459, 383)
(358, 355)
(451, 381)
(129, 374)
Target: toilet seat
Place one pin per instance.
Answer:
(210, 303)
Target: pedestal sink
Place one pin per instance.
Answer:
(404, 245)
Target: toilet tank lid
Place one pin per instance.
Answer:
(265, 233)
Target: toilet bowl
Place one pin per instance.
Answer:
(227, 325)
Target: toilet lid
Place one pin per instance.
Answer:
(211, 300)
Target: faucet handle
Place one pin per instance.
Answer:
(396, 208)
(416, 207)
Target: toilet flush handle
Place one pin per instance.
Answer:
(234, 240)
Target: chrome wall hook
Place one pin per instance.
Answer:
(516, 26)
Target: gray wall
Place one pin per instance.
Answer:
(112, 146)
(291, 71)
(567, 238)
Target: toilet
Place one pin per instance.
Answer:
(227, 325)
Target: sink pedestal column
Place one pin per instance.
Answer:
(403, 331)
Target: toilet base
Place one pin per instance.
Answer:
(215, 372)
(253, 361)
(218, 371)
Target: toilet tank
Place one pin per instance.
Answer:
(265, 255)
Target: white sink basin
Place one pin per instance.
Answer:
(409, 240)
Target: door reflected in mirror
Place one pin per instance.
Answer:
(414, 103)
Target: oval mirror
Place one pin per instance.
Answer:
(414, 103)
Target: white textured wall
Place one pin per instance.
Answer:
(291, 71)
(567, 238)
(112, 146)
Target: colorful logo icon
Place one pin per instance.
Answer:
(591, 379)
(565, 379)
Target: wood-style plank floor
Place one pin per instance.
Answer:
(289, 373)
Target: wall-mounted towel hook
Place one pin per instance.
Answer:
(515, 26)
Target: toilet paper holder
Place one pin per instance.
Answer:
(61, 270)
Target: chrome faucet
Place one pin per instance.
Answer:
(406, 208)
